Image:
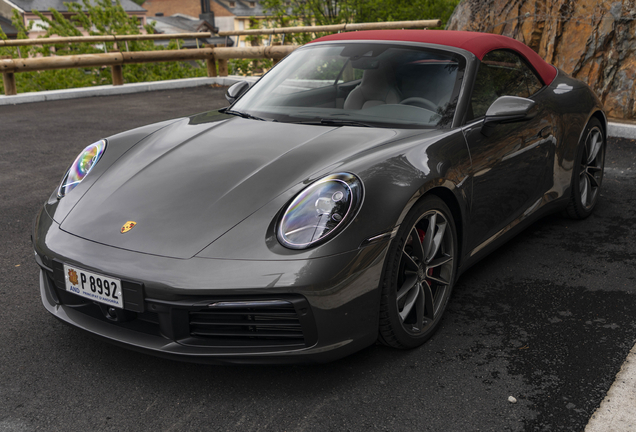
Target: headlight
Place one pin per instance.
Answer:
(81, 167)
(320, 211)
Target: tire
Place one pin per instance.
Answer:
(587, 175)
(418, 275)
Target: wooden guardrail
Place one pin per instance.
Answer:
(337, 28)
(9, 67)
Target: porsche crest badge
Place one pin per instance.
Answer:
(128, 226)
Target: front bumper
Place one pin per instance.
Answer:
(295, 311)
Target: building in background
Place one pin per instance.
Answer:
(25, 9)
(179, 16)
(7, 28)
(192, 8)
(242, 12)
(227, 14)
(180, 23)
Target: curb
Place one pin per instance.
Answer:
(621, 130)
(616, 412)
(615, 129)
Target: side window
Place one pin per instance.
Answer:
(502, 73)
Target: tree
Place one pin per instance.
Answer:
(311, 12)
(325, 12)
(404, 10)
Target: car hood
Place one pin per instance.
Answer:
(194, 180)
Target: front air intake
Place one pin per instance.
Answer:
(249, 323)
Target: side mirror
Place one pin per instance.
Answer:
(236, 91)
(507, 109)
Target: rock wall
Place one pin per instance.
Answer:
(592, 40)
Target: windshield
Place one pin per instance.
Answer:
(359, 84)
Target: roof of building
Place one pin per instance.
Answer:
(477, 43)
(58, 5)
(7, 27)
(243, 8)
(186, 7)
(180, 23)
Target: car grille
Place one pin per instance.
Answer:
(237, 323)
(263, 322)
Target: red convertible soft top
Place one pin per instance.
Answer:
(477, 43)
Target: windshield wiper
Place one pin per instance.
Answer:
(244, 115)
(336, 122)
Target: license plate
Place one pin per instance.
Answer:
(94, 286)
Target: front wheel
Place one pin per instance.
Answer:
(588, 172)
(419, 275)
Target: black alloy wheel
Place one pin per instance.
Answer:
(419, 275)
(587, 173)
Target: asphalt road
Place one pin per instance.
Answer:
(548, 319)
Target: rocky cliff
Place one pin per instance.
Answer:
(592, 40)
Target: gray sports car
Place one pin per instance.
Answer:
(333, 204)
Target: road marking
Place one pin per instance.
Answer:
(617, 412)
